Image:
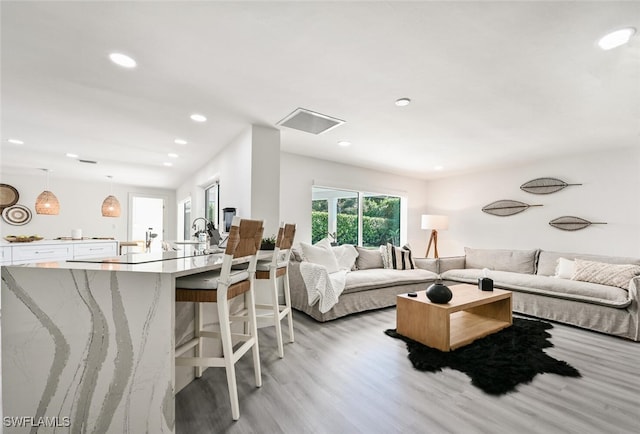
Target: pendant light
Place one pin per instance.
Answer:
(110, 205)
(47, 202)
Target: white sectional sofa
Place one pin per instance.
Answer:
(539, 291)
(532, 275)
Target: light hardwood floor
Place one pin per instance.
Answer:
(347, 376)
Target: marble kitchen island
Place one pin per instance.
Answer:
(89, 346)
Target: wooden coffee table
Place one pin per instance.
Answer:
(471, 314)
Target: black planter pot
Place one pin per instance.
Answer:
(439, 293)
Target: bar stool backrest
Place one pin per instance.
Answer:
(286, 234)
(244, 240)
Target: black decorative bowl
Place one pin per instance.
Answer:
(439, 293)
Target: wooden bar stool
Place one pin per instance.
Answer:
(278, 266)
(219, 287)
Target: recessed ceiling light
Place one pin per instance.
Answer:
(122, 60)
(344, 143)
(180, 142)
(16, 141)
(172, 155)
(70, 155)
(198, 117)
(617, 38)
(403, 102)
(166, 163)
(438, 167)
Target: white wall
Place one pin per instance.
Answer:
(80, 207)
(298, 174)
(248, 172)
(609, 193)
(232, 168)
(265, 177)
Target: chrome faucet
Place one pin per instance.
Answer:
(148, 237)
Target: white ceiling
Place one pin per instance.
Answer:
(492, 83)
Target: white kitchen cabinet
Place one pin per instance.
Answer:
(56, 250)
(32, 252)
(95, 250)
(5, 255)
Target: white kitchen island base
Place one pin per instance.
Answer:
(89, 346)
(88, 349)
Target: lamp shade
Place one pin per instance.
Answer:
(110, 207)
(436, 222)
(47, 204)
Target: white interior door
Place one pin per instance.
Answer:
(147, 214)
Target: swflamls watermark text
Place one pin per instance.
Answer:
(30, 421)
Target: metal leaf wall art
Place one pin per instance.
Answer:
(544, 185)
(505, 208)
(571, 223)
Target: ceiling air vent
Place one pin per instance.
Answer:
(88, 161)
(309, 121)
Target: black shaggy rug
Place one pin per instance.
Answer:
(496, 363)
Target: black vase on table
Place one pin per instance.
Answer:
(439, 293)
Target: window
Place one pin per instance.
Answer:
(354, 217)
(211, 203)
(186, 220)
(380, 220)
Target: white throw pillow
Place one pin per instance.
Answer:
(321, 253)
(565, 268)
(606, 274)
(385, 256)
(346, 255)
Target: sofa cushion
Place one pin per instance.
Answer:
(373, 278)
(321, 253)
(296, 255)
(547, 260)
(368, 258)
(565, 268)
(605, 274)
(399, 258)
(346, 255)
(517, 261)
(546, 285)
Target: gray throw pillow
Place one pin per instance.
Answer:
(368, 258)
(296, 255)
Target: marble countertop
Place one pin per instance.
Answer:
(5, 243)
(179, 264)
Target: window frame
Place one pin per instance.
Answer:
(362, 194)
(215, 187)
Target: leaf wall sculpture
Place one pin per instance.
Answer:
(572, 223)
(506, 207)
(544, 185)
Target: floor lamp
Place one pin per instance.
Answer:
(434, 222)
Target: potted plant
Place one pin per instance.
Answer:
(268, 243)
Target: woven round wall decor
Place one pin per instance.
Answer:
(17, 215)
(8, 196)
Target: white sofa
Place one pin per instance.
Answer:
(538, 291)
(530, 274)
(369, 286)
